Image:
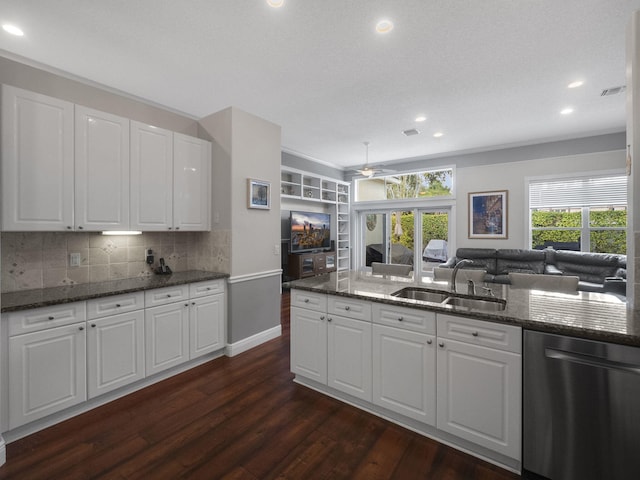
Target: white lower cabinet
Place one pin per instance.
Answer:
(404, 372)
(206, 325)
(309, 344)
(115, 352)
(459, 377)
(349, 356)
(479, 386)
(46, 372)
(62, 355)
(166, 336)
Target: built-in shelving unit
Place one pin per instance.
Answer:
(299, 185)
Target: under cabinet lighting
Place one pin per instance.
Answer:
(566, 111)
(438, 134)
(275, 3)
(121, 232)
(576, 84)
(421, 118)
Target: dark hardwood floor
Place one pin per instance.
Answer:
(236, 418)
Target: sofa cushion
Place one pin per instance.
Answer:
(483, 258)
(520, 261)
(590, 267)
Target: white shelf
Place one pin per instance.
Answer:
(300, 185)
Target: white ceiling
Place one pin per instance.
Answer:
(487, 73)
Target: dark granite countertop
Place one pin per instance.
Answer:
(42, 297)
(594, 316)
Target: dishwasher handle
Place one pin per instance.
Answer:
(591, 361)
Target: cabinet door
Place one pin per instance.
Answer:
(47, 372)
(166, 330)
(151, 178)
(115, 352)
(206, 325)
(191, 183)
(404, 372)
(479, 395)
(349, 356)
(37, 162)
(309, 344)
(101, 170)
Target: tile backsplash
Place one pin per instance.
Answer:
(41, 259)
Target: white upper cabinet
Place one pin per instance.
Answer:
(101, 170)
(191, 183)
(37, 162)
(151, 178)
(68, 167)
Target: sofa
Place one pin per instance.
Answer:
(598, 272)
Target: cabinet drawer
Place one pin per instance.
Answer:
(36, 319)
(202, 289)
(349, 307)
(478, 332)
(309, 300)
(112, 305)
(162, 296)
(405, 318)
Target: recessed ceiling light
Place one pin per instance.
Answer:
(384, 26)
(421, 118)
(576, 84)
(566, 111)
(438, 134)
(13, 30)
(275, 3)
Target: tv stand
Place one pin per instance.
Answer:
(309, 264)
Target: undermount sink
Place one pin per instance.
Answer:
(443, 297)
(489, 304)
(423, 294)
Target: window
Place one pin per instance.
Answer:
(416, 185)
(587, 214)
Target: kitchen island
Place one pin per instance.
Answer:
(442, 368)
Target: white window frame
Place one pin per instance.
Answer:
(585, 229)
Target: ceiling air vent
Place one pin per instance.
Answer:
(410, 132)
(613, 91)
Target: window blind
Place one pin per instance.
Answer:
(578, 192)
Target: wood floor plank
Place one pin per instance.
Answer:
(239, 418)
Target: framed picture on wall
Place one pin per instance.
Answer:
(258, 194)
(488, 214)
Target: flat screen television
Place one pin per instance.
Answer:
(310, 231)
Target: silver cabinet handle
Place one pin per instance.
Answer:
(80, 328)
(118, 305)
(441, 344)
(69, 227)
(93, 325)
(80, 227)
(321, 317)
(186, 304)
(347, 308)
(193, 303)
(475, 334)
(328, 319)
(51, 318)
(168, 295)
(400, 319)
(306, 300)
(429, 342)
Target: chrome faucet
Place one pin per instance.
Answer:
(459, 265)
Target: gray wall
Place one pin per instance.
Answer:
(578, 146)
(93, 96)
(300, 163)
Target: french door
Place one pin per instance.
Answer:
(417, 237)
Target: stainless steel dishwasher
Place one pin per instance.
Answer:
(581, 416)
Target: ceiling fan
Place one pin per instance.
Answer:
(367, 170)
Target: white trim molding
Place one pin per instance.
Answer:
(254, 276)
(248, 343)
(3, 451)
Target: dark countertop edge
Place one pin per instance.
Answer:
(104, 289)
(553, 328)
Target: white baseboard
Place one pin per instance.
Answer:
(3, 451)
(248, 343)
